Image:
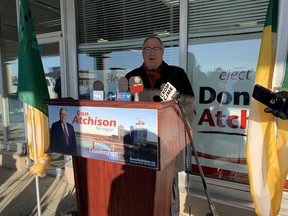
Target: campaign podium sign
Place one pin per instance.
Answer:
(124, 154)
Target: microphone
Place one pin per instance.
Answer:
(123, 94)
(169, 92)
(111, 96)
(157, 98)
(98, 90)
(136, 86)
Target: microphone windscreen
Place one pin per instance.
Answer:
(98, 86)
(136, 84)
(122, 84)
(157, 98)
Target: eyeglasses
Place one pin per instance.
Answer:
(150, 49)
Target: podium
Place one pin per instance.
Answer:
(132, 172)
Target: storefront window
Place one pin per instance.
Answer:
(110, 36)
(223, 46)
(222, 75)
(108, 70)
(12, 110)
(16, 109)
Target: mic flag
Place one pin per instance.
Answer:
(98, 86)
(123, 94)
(122, 84)
(98, 90)
(169, 92)
(136, 84)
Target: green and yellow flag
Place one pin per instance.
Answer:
(266, 145)
(32, 90)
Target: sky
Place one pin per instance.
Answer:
(228, 55)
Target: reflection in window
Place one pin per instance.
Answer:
(16, 111)
(222, 76)
(109, 68)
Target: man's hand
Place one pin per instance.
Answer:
(283, 114)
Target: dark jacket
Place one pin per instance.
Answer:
(178, 78)
(168, 73)
(57, 139)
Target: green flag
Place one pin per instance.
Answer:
(32, 87)
(285, 82)
(32, 90)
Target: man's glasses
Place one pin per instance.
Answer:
(154, 49)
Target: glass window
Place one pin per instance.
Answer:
(16, 110)
(111, 35)
(223, 46)
(12, 115)
(224, 42)
(222, 76)
(46, 18)
(100, 21)
(118, 64)
(225, 76)
(219, 18)
(51, 66)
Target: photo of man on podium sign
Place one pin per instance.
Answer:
(62, 135)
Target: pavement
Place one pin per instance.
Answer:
(58, 198)
(18, 195)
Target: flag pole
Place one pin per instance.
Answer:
(35, 160)
(32, 90)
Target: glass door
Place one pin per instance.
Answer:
(49, 46)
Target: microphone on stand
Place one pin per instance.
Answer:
(169, 92)
(136, 86)
(122, 93)
(98, 90)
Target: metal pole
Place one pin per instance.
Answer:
(35, 160)
(211, 205)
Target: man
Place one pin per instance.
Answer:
(154, 72)
(62, 135)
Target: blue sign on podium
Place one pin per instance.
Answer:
(123, 135)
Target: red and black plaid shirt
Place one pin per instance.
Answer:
(153, 74)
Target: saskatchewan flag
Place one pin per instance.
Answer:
(32, 90)
(267, 136)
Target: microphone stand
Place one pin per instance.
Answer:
(211, 205)
(136, 96)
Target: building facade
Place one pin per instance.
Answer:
(216, 42)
